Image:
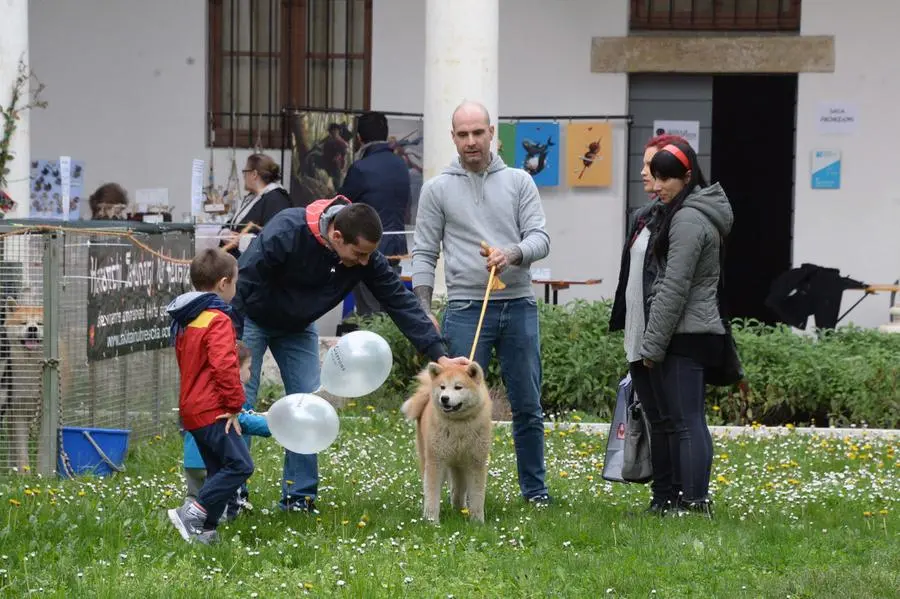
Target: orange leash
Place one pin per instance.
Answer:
(484, 303)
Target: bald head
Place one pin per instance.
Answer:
(472, 133)
(471, 111)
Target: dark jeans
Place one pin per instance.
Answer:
(228, 466)
(510, 326)
(673, 396)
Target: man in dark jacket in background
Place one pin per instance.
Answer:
(379, 178)
(302, 264)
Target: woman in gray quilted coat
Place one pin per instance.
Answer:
(683, 331)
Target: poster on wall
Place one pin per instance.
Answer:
(321, 153)
(839, 118)
(690, 130)
(405, 135)
(506, 143)
(826, 169)
(537, 151)
(129, 291)
(589, 154)
(47, 189)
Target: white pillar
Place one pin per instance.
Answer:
(13, 48)
(462, 45)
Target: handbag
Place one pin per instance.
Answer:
(615, 441)
(730, 371)
(636, 464)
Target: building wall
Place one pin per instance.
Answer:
(854, 228)
(544, 70)
(654, 97)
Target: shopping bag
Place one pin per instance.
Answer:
(615, 442)
(636, 464)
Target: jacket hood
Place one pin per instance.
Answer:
(714, 204)
(188, 306)
(456, 167)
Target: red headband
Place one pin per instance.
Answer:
(677, 153)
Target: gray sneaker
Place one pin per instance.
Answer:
(188, 520)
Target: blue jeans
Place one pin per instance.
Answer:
(297, 356)
(681, 449)
(511, 327)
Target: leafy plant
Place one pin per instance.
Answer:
(10, 115)
(849, 375)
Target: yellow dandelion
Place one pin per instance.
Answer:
(345, 522)
(365, 518)
(464, 511)
(576, 418)
(564, 474)
(26, 468)
(360, 524)
(867, 514)
(29, 492)
(789, 426)
(883, 512)
(173, 469)
(851, 455)
(15, 502)
(721, 479)
(167, 493)
(590, 478)
(723, 456)
(81, 493)
(793, 481)
(715, 408)
(308, 586)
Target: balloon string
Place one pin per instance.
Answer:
(484, 303)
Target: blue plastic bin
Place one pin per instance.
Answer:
(84, 457)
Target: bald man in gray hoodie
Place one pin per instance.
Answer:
(479, 198)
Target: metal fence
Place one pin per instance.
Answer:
(84, 334)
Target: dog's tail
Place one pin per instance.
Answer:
(413, 407)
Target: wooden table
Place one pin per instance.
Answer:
(893, 289)
(558, 284)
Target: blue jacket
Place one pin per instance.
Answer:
(251, 424)
(288, 279)
(381, 179)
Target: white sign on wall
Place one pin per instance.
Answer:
(837, 117)
(690, 130)
(197, 187)
(65, 195)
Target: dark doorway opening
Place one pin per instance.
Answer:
(752, 156)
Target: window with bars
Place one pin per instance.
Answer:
(269, 55)
(715, 15)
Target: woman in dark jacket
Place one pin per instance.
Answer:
(265, 199)
(681, 332)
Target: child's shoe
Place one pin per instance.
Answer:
(188, 520)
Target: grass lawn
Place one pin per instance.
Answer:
(797, 516)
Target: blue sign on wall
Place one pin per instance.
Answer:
(826, 169)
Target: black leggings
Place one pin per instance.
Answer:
(673, 396)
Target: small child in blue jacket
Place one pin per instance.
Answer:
(251, 424)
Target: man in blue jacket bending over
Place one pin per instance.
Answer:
(302, 264)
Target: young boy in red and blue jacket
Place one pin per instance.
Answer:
(211, 395)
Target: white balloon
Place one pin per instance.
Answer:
(357, 365)
(303, 423)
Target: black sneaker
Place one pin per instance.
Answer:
(702, 507)
(302, 505)
(540, 500)
(660, 507)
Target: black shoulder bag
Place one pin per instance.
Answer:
(729, 371)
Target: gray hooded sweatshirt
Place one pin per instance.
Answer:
(684, 296)
(459, 209)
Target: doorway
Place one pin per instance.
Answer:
(752, 156)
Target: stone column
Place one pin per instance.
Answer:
(462, 46)
(13, 48)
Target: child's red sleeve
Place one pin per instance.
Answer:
(221, 348)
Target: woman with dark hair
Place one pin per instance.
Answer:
(266, 198)
(684, 333)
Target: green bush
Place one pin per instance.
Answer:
(845, 376)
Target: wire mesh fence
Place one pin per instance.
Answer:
(84, 334)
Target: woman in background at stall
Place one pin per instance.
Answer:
(266, 198)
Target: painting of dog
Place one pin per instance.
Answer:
(452, 412)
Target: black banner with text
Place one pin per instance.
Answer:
(130, 289)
